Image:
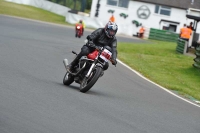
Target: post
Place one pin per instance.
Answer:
(186, 48)
(97, 10)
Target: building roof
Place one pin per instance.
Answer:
(183, 4)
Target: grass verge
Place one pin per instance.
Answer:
(161, 63)
(13, 9)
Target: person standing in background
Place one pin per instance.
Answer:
(191, 26)
(141, 32)
(185, 33)
(112, 18)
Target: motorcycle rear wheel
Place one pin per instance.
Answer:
(87, 83)
(68, 79)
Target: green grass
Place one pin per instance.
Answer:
(161, 63)
(13, 9)
(157, 61)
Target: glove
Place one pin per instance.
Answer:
(99, 48)
(89, 38)
(90, 44)
(114, 62)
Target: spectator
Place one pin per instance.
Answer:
(112, 18)
(185, 33)
(191, 26)
(141, 32)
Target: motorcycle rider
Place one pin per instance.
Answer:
(100, 37)
(81, 24)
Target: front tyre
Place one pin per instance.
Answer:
(87, 83)
(68, 79)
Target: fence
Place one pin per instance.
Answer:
(163, 35)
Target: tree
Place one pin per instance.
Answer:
(88, 4)
(75, 4)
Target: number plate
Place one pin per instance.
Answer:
(106, 55)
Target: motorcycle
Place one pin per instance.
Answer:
(79, 30)
(89, 69)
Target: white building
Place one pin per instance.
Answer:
(159, 14)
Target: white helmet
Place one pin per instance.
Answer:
(111, 29)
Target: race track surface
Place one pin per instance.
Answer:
(34, 100)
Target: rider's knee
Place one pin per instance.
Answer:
(85, 50)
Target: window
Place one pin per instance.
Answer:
(163, 10)
(112, 2)
(170, 27)
(119, 3)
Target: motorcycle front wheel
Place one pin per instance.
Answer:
(87, 83)
(68, 79)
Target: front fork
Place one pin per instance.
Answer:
(90, 70)
(92, 67)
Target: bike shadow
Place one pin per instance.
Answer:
(91, 92)
(94, 92)
(74, 87)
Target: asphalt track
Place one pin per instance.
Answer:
(34, 100)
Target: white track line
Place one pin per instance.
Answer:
(157, 84)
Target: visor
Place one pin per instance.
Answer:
(111, 32)
(112, 27)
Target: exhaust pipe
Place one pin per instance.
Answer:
(65, 62)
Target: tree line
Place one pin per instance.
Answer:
(80, 5)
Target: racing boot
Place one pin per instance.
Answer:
(71, 66)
